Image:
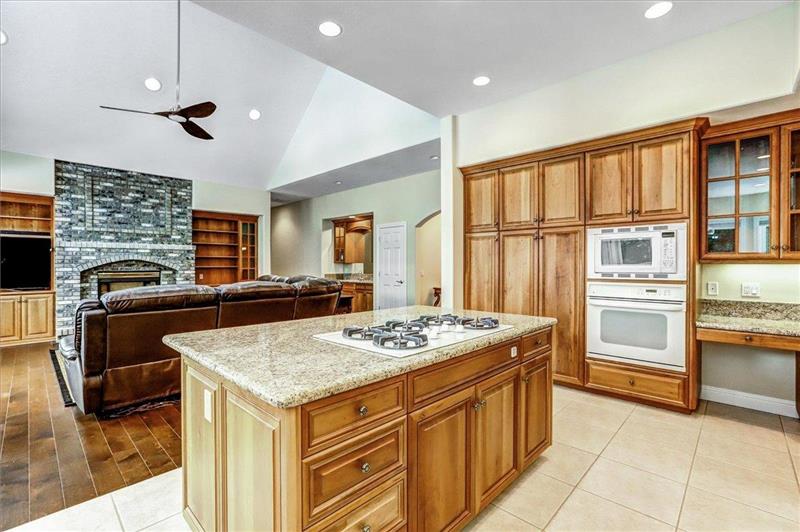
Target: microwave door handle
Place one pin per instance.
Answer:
(638, 305)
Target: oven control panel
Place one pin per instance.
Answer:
(653, 292)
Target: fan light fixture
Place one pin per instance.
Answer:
(434, 157)
(330, 29)
(659, 9)
(254, 114)
(152, 84)
(481, 81)
(338, 182)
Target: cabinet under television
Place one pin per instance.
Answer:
(27, 298)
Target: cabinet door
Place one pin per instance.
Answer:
(440, 446)
(518, 206)
(518, 272)
(661, 178)
(10, 322)
(560, 191)
(535, 408)
(252, 455)
(37, 316)
(561, 296)
(790, 192)
(368, 300)
(609, 185)
(480, 203)
(496, 435)
(481, 267)
(200, 448)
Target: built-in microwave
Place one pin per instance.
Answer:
(637, 252)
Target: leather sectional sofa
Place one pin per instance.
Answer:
(116, 357)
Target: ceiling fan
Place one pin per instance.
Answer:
(178, 114)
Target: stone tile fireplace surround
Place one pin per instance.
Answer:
(111, 220)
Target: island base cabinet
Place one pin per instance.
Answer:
(535, 405)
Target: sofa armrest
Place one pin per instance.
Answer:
(93, 341)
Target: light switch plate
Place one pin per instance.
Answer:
(712, 288)
(751, 289)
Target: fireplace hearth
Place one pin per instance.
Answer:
(111, 281)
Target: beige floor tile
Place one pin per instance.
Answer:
(601, 400)
(633, 488)
(564, 463)
(745, 415)
(793, 442)
(534, 498)
(150, 501)
(586, 512)
(494, 519)
(575, 432)
(790, 424)
(611, 417)
(704, 511)
(638, 452)
(94, 514)
(683, 439)
(176, 523)
(771, 494)
(731, 429)
(768, 461)
(678, 419)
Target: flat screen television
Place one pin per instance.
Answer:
(24, 262)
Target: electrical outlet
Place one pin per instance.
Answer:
(751, 289)
(712, 288)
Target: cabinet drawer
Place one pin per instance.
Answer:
(334, 477)
(383, 508)
(331, 420)
(429, 383)
(536, 343)
(773, 341)
(658, 387)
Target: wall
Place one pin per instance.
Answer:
(429, 264)
(26, 173)
(208, 196)
(297, 228)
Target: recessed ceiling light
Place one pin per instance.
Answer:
(481, 81)
(338, 182)
(434, 157)
(352, 216)
(3, 37)
(254, 114)
(659, 9)
(152, 84)
(330, 29)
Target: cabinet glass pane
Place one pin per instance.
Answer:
(754, 234)
(722, 160)
(721, 197)
(754, 194)
(794, 232)
(794, 191)
(794, 149)
(754, 155)
(721, 235)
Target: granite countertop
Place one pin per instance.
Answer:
(782, 319)
(752, 325)
(283, 365)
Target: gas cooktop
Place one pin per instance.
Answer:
(401, 338)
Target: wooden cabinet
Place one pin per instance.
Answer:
(518, 265)
(636, 382)
(481, 203)
(10, 319)
(519, 207)
(481, 267)
(535, 400)
(339, 232)
(226, 247)
(27, 317)
(363, 297)
(661, 178)
(561, 296)
(609, 185)
(790, 191)
(560, 191)
(496, 434)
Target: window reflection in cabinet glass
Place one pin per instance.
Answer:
(721, 235)
(794, 232)
(754, 155)
(794, 149)
(794, 191)
(754, 194)
(754, 234)
(721, 197)
(722, 160)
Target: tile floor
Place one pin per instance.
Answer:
(613, 466)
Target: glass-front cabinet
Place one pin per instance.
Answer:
(740, 200)
(790, 191)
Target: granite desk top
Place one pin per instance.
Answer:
(752, 325)
(782, 319)
(283, 365)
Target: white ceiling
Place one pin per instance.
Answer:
(64, 59)
(427, 53)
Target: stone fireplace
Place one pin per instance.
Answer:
(116, 228)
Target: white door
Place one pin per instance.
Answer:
(392, 265)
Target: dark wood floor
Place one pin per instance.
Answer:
(52, 457)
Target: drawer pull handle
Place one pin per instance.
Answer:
(366, 528)
(631, 381)
(365, 467)
(362, 410)
(748, 338)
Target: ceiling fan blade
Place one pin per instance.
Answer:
(127, 110)
(195, 130)
(200, 110)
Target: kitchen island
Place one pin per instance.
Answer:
(285, 431)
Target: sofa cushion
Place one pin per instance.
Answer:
(250, 290)
(165, 297)
(308, 285)
(274, 278)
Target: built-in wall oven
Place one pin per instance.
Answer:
(637, 252)
(637, 323)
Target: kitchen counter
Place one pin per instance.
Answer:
(281, 364)
(752, 325)
(782, 319)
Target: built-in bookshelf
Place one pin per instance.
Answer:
(226, 247)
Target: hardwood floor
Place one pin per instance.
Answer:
(52, 457)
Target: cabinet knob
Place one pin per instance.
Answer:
(526, 379)
(476, 406)
(748, 338)
(539, 341)
(365, 467)
(631, 381)
(774, 247)
(366, 528)
(635, 211)
(629, 211)
(785, 247)
(362, 410)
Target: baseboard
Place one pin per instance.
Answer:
(753, 401)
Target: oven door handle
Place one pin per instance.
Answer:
(638, 305)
